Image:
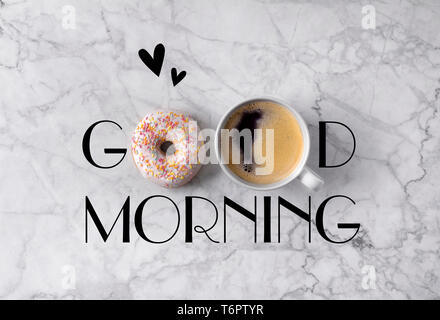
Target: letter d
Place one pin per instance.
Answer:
(322, 144)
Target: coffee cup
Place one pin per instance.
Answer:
(297, 171)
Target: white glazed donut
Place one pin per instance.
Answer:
(167, 170)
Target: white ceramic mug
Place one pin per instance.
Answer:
(304, 174)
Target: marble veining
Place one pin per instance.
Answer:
(56, 81)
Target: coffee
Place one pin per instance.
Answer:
(282, 147)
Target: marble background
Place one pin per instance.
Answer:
(56, 81)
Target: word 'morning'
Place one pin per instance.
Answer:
(250, 214)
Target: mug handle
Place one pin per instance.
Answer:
(310, 179)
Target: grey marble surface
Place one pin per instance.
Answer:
(56, 81)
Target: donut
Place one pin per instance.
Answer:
(165, 148)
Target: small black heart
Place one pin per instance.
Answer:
(177, 77)
(154, 64)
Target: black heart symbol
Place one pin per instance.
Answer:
(177, 77)
(154, 64)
